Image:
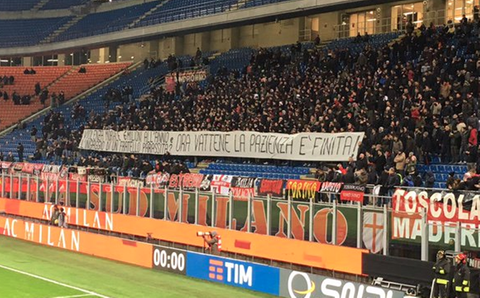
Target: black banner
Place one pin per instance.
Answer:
(271, 187)
(243, 182)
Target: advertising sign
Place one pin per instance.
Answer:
(98, 245)
(232, 272)
(295, 284)
(169, 259)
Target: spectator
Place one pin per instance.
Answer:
(20, 150)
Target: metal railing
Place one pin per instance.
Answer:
(322, 218)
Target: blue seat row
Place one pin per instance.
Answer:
(250, 174)
(259, 168)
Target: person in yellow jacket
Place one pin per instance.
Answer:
(442, 271)
(461, 279)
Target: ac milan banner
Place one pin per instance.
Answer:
(158, 180)
(221, 184)
(271, 187)
(302, 146)
(187, 181)
(302, 189)
(352, 192)
(331, 187)
(243, 187)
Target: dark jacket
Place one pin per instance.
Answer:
(442, 271)
(461, 280)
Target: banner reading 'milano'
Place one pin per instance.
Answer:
(302, 146)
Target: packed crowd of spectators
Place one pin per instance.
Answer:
(414, 98)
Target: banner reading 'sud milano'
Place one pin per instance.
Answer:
(302, 146)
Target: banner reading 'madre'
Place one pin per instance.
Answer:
(302, 146)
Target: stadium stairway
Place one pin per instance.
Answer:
(39, 5)
(62, 29)
(153, 10)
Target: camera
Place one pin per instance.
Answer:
(201, 234)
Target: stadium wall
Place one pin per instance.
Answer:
(232, 272)
(311, 254)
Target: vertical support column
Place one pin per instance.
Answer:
(37, 189)
(11, 186)
(424, 240)
(124, 200)
(180, 204)
(360, 225)
(249, 213)
(19, 195)
(3, 184)
(88, 196)
(385, 231)
(28, 187)
(151, 200)
(100, 196)
(165, 207)
(112, 196)
(137, 203)
(269, 214)
(289, 216)
(230, 211)
(458, 244)
(212, 224)
(56, 190)
(196, 206)
(77, 193)
(334, 223)
(67, 192)
(310, 220)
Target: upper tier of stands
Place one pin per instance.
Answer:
(28, 32)
(9, 5)
(105, 22)
(175, 10)
(62, 4)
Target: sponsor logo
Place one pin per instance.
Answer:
(292, 290)
(305, 285)
(235, 273)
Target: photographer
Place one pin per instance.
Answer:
(211, 239)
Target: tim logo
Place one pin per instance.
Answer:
(230, 272)
(215, 270)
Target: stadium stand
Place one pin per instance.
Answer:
(28, 32)
(175, 10)
(344, 86)
(106, 22)
(7, 5)
(62, 4)
(75, 82)
(56, 79)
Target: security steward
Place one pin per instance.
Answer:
(461, 279)
(442, 271)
